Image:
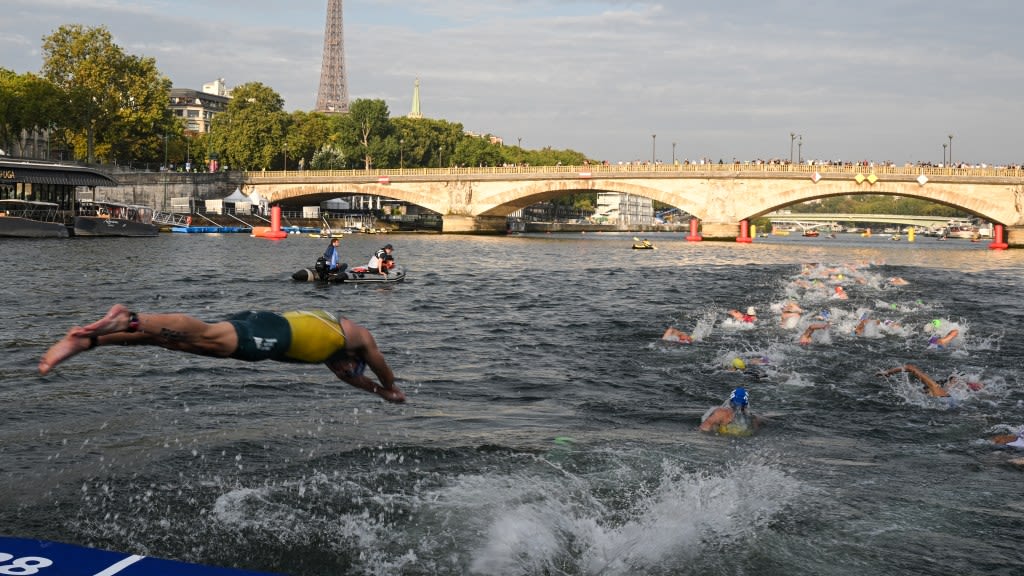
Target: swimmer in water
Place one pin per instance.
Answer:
(808, 334)
(750, 317)
(943, 341)
(1012, 440)
(733, 417)
(676, 335)
(933, 387)
(791, 314)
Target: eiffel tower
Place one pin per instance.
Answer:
(333, 94)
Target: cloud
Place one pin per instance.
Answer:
(879, 80)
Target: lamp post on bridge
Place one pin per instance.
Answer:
(286, 157)
(653, 148)
(792, 137)
(799, 148)
(944, 163)
(401, 153)
(950, 149)
(673, 153)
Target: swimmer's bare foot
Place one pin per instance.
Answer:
(65, 348)
(116, 320)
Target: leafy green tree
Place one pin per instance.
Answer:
(27, 102)
(328, 157)
(250, 134)
(307, 133)
(477, 151)
(365, 131)
(116, 102)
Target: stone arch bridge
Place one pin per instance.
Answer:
(721, 196)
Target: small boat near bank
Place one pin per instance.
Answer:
(355, 275)
(103, 218)
(29, 219)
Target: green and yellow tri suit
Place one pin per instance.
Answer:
(298, 336)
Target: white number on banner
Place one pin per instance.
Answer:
(22, 566)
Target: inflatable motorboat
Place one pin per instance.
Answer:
(356, 275)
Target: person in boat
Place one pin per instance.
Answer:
(382, 260)
(673, 334)
(332, 256)
(732, 417)
(933, 388)
(750, 317)
(346, 348)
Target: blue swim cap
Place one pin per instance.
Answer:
(825, 314)
(738, 397)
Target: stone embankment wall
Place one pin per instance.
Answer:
(156, 189)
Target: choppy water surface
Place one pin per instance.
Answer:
(505, 345)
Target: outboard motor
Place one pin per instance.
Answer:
(321, 268)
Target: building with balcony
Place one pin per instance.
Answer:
(198, 108)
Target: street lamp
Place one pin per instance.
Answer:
(799, 148)
(285, 157)
(673, 153)
(401, 153)
(950, 149)
(792, 137)
(944, 163)
(653, 148)
(440, 156)
(520, 140)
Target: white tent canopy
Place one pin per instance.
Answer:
(237, 196)
(335, 204)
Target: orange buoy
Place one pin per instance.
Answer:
(694, 235)
(275, 232)
(744, 232)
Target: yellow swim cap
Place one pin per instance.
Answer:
(739, 364)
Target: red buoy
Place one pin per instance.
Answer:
(694, 235)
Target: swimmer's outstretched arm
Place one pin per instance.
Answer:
(359, 342)
(933, 388)
(805, 338)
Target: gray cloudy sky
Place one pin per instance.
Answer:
(879, 80)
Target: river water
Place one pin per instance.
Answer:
(548, 429)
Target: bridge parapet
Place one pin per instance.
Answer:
(719, 195)
(912, 172)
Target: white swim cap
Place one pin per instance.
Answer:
(751, 311)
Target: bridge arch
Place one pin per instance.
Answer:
(721, 196)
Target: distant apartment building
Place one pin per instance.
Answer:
(624, 210)
(198, 108)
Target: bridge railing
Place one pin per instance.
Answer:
(595, 170)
